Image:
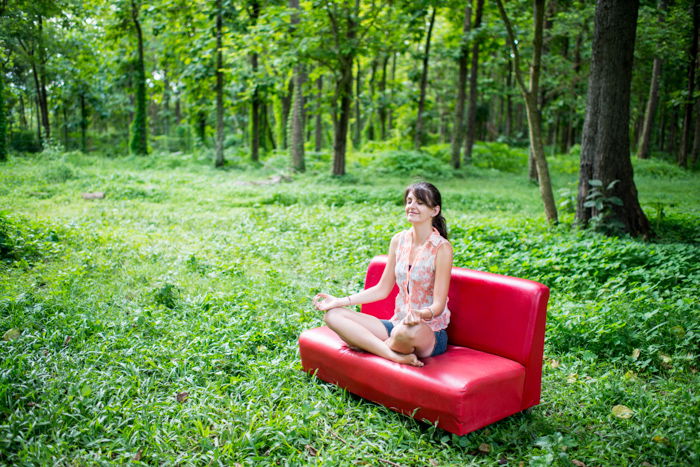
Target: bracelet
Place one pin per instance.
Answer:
(432, 314)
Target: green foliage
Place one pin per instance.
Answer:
(499, 156)
(195, 282)
(602, 201)
(407, 163)
(26, 241)
(24, 141)
(3, 119)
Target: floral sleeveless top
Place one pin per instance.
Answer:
(417, 282)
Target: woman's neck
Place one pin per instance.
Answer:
(422, 231)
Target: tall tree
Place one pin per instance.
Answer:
(419, 134)
(531, 97)
(473, 85)
(690, 90)
(605, 150)
(139, 126)
(653, 99)
(219, 157)
(296, 123)
(256, 99)
(458, 127)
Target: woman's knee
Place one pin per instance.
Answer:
(332, 315)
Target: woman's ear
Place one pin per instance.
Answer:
(436, 211)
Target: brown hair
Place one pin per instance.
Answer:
(430, 195)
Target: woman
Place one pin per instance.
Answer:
(420, 263)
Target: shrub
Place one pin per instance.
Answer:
(406, 163)
(499, 156)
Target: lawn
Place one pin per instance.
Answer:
(159, 325)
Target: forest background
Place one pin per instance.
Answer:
(252, 153)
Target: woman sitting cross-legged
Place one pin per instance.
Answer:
(420, 263)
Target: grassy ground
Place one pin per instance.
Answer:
(159, 325)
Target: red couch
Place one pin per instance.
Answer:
(492, 367)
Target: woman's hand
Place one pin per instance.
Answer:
(324, 302)
(412, 318)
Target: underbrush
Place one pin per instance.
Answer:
(160, 324)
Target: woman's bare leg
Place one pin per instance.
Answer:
(418, 339)
(367, 333)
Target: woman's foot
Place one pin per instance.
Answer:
(406, 359)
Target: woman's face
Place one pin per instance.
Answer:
(418, 211)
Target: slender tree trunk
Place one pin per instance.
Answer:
(3, 119)
(22, 113)
(605, 149)
(139, 127)
(166, 115)
(458, 128)
(383, 99)
(652, 101)
(390, 107)
(219, 161)
(357, 133)
(296, 130)
(255, 103)
(83, 123)
(509, 100)
(371, 136)
(419, 136)
(343, 119)
(690, 102)
(43, 98)
(318, 127)
(530, 96)
(696, 138)
(473, 88)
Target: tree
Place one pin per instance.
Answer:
(296, 124)
(458, 127)
(419, 135)
(473, 85)
(605, 150)
(690, 90)
(653, 100)
(139, 126)
(531, 97)
(219, 161)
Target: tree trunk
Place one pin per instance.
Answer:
(530, 95)
(383, 99)
(458, 128)
(219, 160)
(652, 102)
(22, 113)
(696, 138)
(318, 127)
(690, 101)
(419, 136)
(255, 102)
(343, 118)
(296, 128)
(83, 123)
(139, 128)
(43, 98)
(473, 85)
(3, 119)
(357, 133)
(605, 149)
(371, 134)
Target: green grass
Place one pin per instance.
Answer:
(190, 279)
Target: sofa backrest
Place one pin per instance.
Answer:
(493, 313)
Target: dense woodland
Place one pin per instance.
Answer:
(259, 76)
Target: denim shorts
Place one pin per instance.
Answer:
(440, 338)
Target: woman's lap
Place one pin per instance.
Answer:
(440, 338)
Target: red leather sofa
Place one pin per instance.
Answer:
(492, 367)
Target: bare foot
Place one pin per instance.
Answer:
(407, 359)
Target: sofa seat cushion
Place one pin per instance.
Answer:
(460, 391)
